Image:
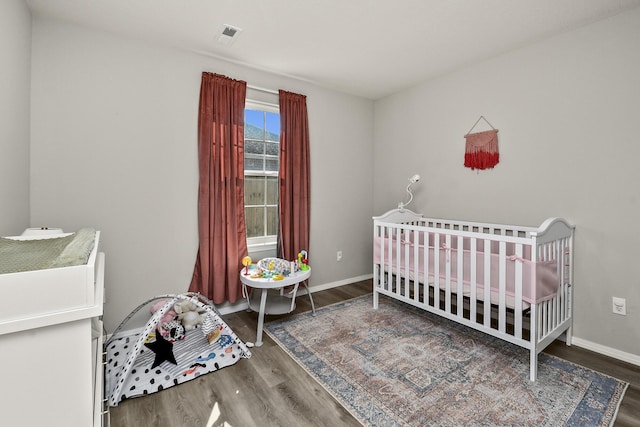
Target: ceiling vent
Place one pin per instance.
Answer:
(229, 34)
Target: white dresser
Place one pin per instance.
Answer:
(51, 345)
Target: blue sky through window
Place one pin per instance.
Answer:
(256, 118)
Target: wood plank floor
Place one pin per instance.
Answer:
(270, 389)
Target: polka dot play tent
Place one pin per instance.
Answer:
(148, 360)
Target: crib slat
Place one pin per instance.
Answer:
(562, 275)
(416, 264)
(447, 266)
(390, 275)
(460, 277)
(502, 286)
(436, 270)
(382, 276)
(553, 303)
(425, 267)
(398, 284)
(406, 274)
(544, 317)
(487, 283)
(564, 279)
(546, 307)
(518, 291)
(473, 304)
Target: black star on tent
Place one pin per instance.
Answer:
(163, 350)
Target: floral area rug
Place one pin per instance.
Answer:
(400, 366)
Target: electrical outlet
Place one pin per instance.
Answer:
(339, 256)
(620, 306)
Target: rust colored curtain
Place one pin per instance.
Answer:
(294, 204)
(221, 221)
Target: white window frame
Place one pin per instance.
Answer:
(265, 243)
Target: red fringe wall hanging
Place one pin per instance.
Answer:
(481, 149)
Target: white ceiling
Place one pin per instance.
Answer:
(370, 48)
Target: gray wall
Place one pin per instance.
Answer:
(15, 78)
(568, 116)
(114, 147)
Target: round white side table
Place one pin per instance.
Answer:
(280, 304)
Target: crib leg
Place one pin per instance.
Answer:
(375, 298)
(533, 365)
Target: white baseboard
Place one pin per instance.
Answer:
(318, 288)
(227, 308)
(607, 351)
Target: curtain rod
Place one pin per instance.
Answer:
(261, 89)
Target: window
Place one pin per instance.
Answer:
(261, 165)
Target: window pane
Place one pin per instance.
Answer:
(253, 147)
(254, 190)
(254, 124)
(272, 164)
(272, 190)
(273, 126)
(272, 221)
(251, 164)
(273, 148)
(255, 221)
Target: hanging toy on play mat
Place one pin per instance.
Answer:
(481, 149)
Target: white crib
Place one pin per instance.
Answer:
(442, 266)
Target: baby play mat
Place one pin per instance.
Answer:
(145, 362)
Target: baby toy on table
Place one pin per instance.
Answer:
(246, 261)
(274, 275)
(303, 262)
(271, 268)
